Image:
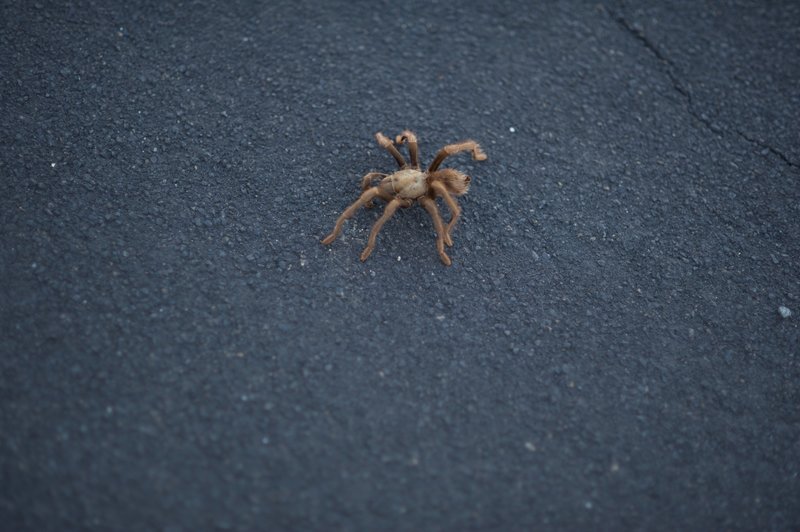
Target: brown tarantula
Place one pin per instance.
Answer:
(410, 184)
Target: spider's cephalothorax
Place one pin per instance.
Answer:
(410, 184)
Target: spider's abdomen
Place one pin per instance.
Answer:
(408, 183)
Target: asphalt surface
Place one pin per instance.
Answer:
(180, 353)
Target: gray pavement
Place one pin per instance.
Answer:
(180, 353)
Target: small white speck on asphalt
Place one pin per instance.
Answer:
(512, 130)
(784, 311)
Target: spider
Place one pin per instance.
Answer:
(409, 185)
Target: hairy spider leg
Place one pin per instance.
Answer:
(366, 183)
(384, 141)
(391, 207)
(452, 204)
(413, 150)
(452, 149)
(430, 206)
(349, 212)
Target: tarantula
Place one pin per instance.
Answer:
(410, 184)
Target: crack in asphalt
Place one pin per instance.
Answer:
(766, 146)
(717, 129)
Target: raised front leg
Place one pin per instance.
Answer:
(452, 149)
(384, 141)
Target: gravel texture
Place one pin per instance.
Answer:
(180, 353)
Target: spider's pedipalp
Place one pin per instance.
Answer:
(413, 149)
(452, 149)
